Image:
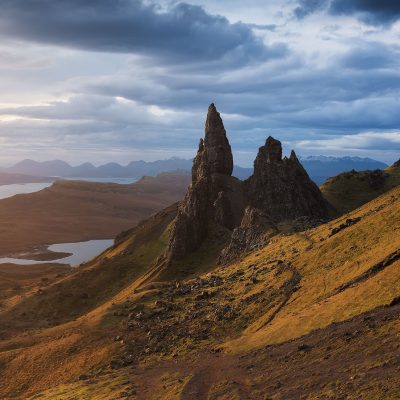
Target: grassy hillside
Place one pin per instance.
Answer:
(311, 315)
(71, 211)
(350, 190)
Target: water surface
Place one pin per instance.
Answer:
(80, 253)
(21, 188)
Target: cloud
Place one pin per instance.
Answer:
(166, 109)
(180, 33)
(128, 77)
(372, 55)
(353, 91)
(362, 143)
(113, 121)
(307, 7)
(373, 12)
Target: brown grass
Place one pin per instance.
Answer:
(72, 211)
(309, 288)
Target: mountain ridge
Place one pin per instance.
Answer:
(318, 167)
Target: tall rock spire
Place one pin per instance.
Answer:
(282, 187)
(219, 153)
(272, 150)
(218, 208)
(214, 198)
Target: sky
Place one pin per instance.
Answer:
(123, 80)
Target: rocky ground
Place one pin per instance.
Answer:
(297, 306)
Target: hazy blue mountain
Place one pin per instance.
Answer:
(241, 172)
(135, 169)
(319, 168)
(45, 168)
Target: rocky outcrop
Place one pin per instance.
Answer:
(214, 197)
(248, 212)
(396, 164)
(281, 187)
(218, 150)
(280, 191)
(255, 230)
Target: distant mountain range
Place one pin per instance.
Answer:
(319, 168)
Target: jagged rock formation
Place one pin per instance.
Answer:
(279, 190)
(214, 197)
(396, 164)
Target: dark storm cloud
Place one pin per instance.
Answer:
(343, 96)
(306, 7)
(283, 92)
(181, 33)
(374, 12)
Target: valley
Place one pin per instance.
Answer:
(76, 211)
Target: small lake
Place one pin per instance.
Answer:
(21, 188)
(80, 252)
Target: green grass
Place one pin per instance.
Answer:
(350, 190)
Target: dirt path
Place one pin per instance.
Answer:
(199, 385)
(204, 375)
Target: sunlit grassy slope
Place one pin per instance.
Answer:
(350, 190)
(298, 285)
(99, 281)
(341, 275)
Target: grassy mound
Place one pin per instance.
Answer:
(352, 189)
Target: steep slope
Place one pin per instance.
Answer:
(350, 190)
(83, 289)
(306, 315)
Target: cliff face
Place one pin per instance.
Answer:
(281, 188)
(214, 197)
(278, 191)
(396, 164)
